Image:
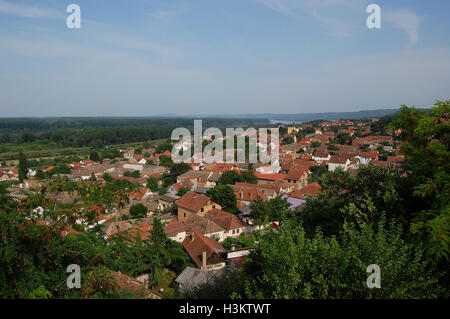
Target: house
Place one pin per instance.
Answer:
(268, 169)
(268, 178)
(298, 175)
(205, 226)
(338, 161)
(134, 167)
(347, 131)
(128, 155)
(269, 190)
(204, 251)
(396, 160)
(231, 224)
(175, 187)
(176, 231)
(193, 203)
(166, 201)
(293, 200)
(245, 196)
(191, 278)
(321, 157)
(139, 194)
(135, 285)
(365, 157)
(312, 189)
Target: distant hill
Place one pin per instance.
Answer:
(306, 117)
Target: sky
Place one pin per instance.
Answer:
(186, 57)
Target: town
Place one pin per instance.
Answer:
(212, 210)
(216, 158)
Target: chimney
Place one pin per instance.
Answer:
(242, 195)
(204, 260)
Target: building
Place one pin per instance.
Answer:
(230, 223)
(192, 278)
(193, 203)
(321, 157)
(205, 226)
(338, 161)
(298, 175)
(204, 251)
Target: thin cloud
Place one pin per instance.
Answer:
(162, 14)
(276, 5)
(323, 11)
(406, 20)
(28, 11)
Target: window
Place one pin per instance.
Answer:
(203, 209)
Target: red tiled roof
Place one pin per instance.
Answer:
(297, 172)
(271, 177)
(372, 155)
(196, 243)
(297, 194)
(299, 162)
(192, 201)
(174, 228)
(249, 195)
(321, 154)
(225, 220)
(312, 189)
(336, 159)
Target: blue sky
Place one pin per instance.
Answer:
(151, 57)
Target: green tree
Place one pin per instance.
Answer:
(183, 190)
(259, 211)
(427, 157)
(288, 264)
(362, 198)
(22, 167)
(165, 161)
(229, 178)
(93, 156)
(316, 144)
(166, 146)
(288, 140)
(107, 177)
(224, 196)
(134, 174)
(179, 168)
(249, 176)
(152, 183)
(138, 211)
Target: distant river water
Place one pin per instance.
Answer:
(286, 122)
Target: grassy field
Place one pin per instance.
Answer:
(168, 286)
(10, 152)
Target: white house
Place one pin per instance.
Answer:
(338, 161)
(320, 157)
